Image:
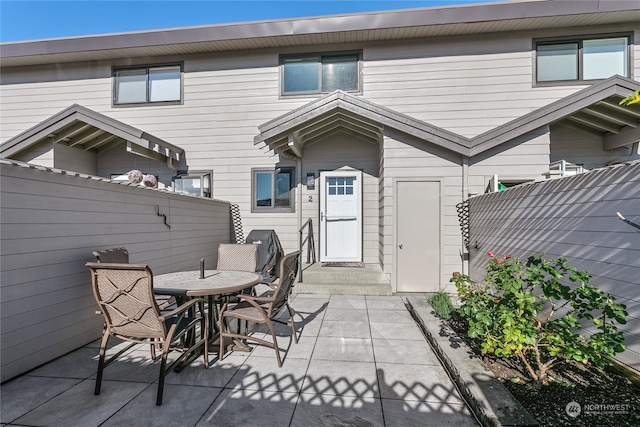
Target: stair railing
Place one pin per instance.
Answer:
(311, 247)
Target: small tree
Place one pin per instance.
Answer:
(529, 312)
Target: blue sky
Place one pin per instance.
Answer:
(31, 19)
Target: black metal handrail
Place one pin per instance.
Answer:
(311, 247)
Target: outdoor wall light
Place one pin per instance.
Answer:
(311, 181)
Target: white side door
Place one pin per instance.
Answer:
(341, 216)
(418, 236)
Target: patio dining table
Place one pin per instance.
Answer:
(214, 283)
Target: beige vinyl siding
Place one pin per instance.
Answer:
(408, 158)
(524, 159)
(40, 154)
(75, 160)
(50, 224)
(33, 94)
(466, 84)
(46, 92)
(582, 148)
(574, 217)
(226, 97)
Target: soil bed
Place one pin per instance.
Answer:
(605, 398)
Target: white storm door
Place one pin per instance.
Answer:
(341, 216)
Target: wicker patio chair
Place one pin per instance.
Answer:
(124, 293)
(238, 257)
(235, 256)
(262, 309)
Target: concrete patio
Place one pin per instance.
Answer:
(360, 361)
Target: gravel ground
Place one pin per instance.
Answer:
(603, 398)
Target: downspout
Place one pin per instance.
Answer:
(465, 196)
(299, 180)
(294, 144)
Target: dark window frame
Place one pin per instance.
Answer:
(550, 41)
(274, 173)
(146, 68)
(320, 55)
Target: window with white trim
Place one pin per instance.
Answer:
(272, 190)
(582, 59)
(147, 85)
(320, 73)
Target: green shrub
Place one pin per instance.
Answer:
(528, 311)
(441, 303)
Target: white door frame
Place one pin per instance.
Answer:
(357, 189)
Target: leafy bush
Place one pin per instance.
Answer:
(529, 311)
(441, 303)
(634, 98)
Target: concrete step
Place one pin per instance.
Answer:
(370, 273)
(341, 288)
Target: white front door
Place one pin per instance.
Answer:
(341, 216)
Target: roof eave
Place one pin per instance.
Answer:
(461, 16)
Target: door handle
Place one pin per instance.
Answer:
(400, 246)
(321, 216)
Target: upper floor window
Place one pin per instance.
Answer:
(147, 85)
(272, 190)
(582, 59)
(306, 74)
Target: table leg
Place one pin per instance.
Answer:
(212, 314)
(239, 345)
(190, 340)
(214, 328)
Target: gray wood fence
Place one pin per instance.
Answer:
(51, 221)
(573, 217)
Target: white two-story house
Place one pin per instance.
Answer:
(374, 125)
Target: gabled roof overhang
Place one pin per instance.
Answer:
(594, 109)
(82, 128)
(340, 111)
